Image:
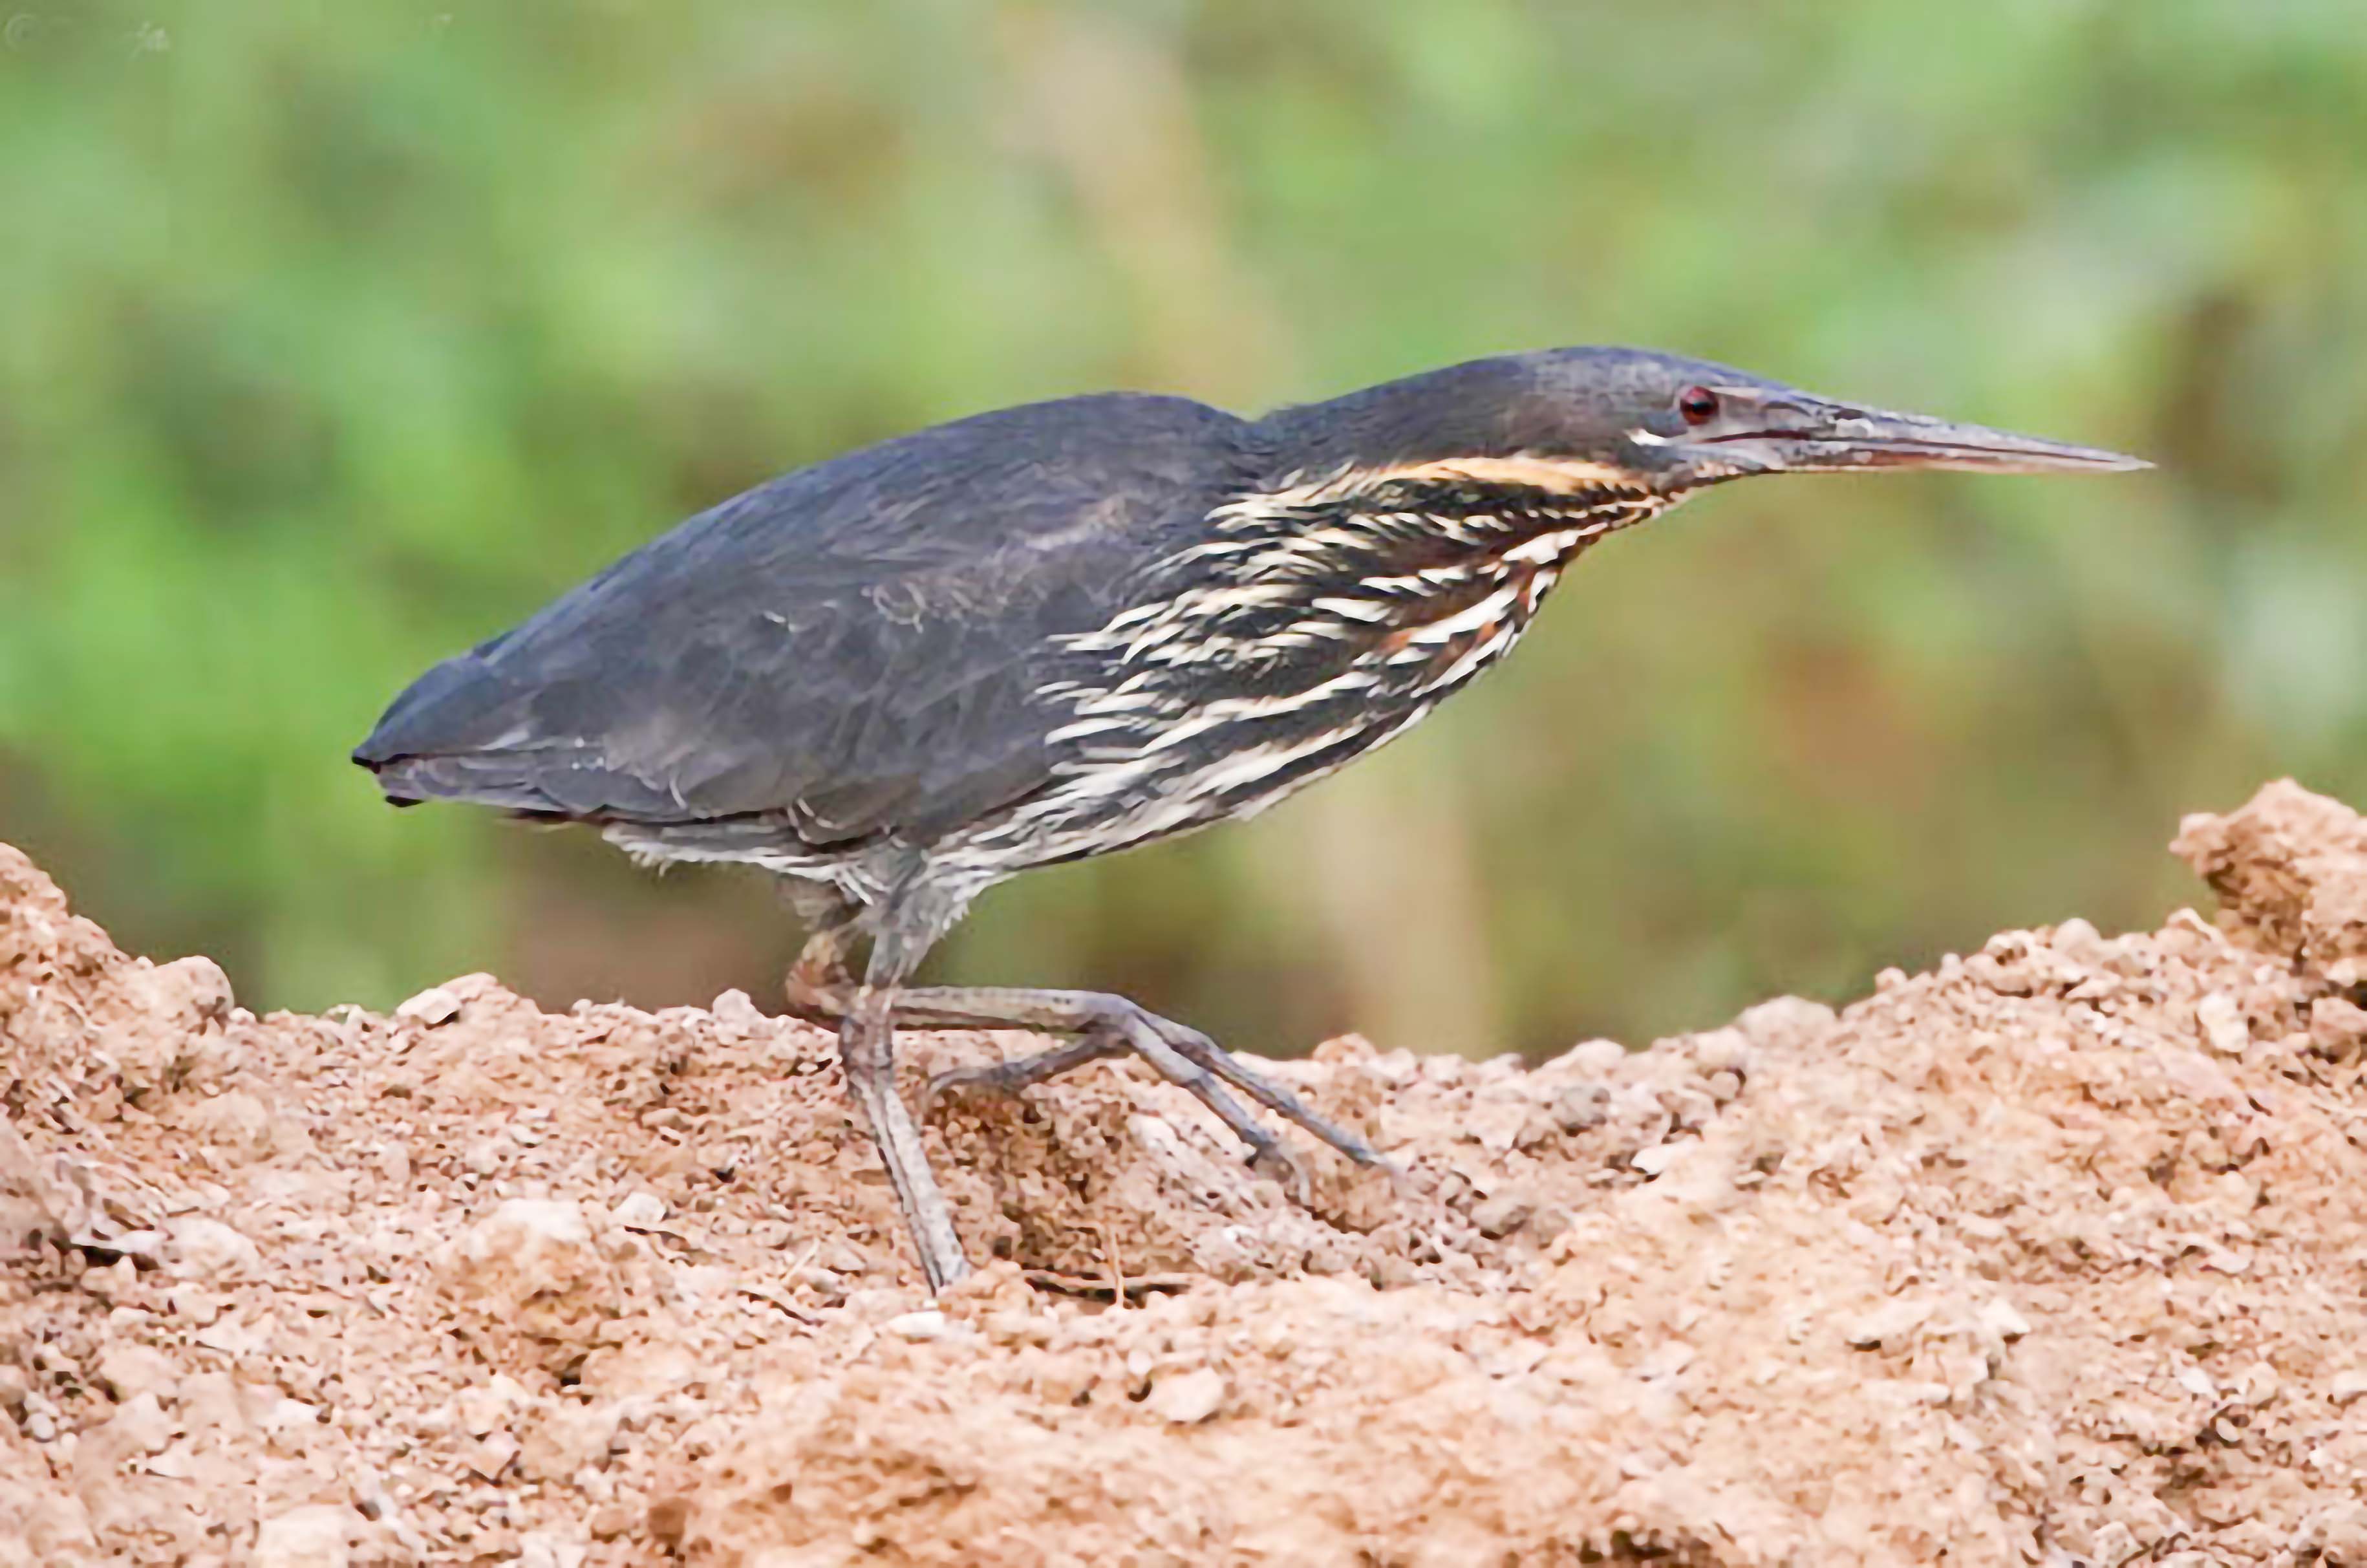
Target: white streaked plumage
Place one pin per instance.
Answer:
(1326, 674)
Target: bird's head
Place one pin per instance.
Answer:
(1397, 541)
(1676, 425)
(1420, 523)
(1608, 420)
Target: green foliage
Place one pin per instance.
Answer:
(333, 339)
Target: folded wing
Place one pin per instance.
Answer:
(854, 649)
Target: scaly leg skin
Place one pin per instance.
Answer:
(1105, 1026)
(865, 1044)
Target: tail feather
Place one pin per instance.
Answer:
(571, 782)
(462, 732)
(480, 780)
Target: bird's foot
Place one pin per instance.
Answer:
(1104, 1026)
(1110, 1026)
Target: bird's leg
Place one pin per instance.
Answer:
(1106, 1025)
(820, 986)
(866, 1046)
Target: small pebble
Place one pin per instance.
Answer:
(928, 1324)
(1659, 1157)
(736, 1013)
(1189, 1397)
(1595, 1056)
(432, 1006)
(1891, 1324)
(2337, 1027)
(641, 1210)
(2000, 1319)
(2079, 940)
(208, 1249)
(309, 1537)
(1500, 1216)
(2223, 1024)
(1576, 1109)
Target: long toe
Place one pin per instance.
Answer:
(1284, 1169)
(1198, 1047)
(1020, 1073)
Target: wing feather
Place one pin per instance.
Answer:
(856, 648)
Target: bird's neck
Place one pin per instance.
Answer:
(1407, 546)
(1408, 580)
(1304, 623)
(1443, 511)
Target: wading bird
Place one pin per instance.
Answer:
(899, 676)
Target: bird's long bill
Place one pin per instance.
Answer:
(1820, 438)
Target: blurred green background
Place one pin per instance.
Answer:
(335, 337)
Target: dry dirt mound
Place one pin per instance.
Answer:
(2052, 1255)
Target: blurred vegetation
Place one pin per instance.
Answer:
(334, 337)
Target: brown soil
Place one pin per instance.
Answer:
(2052, 1255)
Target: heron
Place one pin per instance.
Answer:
(900, 676)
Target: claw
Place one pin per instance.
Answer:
(924, 1109)
(1278, 1164)
(1199, 1048)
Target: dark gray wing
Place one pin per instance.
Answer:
(855, 647)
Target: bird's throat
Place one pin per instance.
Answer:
(1431, 573)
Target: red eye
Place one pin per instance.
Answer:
(1698, 404)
